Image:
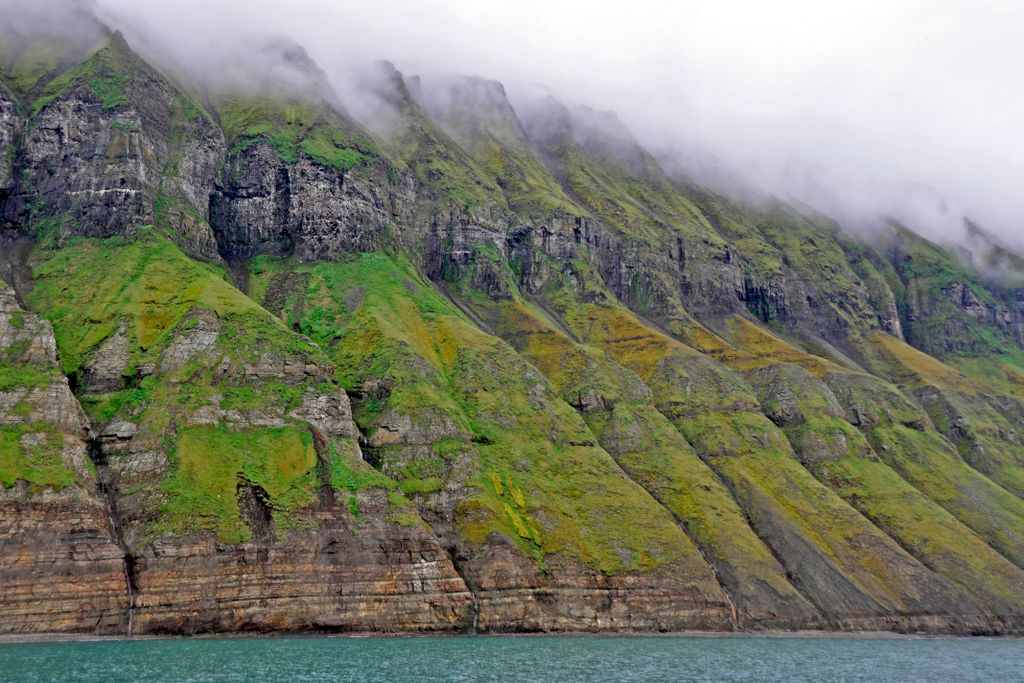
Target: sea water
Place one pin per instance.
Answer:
(522, 658)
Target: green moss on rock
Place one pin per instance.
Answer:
(33, 453)
(538, 477)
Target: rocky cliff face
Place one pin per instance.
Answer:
(61, 568)
(285, 527)
(488, 367)
(113, 146)
(264, 205)
(10, 129)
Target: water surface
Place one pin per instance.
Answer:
(565, 658)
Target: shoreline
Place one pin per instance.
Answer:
(48, 638)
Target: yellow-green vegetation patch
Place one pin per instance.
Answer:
(331, 148)
(33, 63)
(210, 465)
(772, 485)
(542, 479)
(89, 287)
(901, 435)
(726, 433)
(660, 459)
(976, 419)
(497, 144)
(350, 474)
(438, 162)
(685, 382)
(646, 445)
(292, 126)
(809, 246)
(820, 436)
(928, 531)
(771, 349)
(25, 376)
(839, 455)
(719, 415)
(912, 368)
(106, 72)
(635, 198)
(32, 453)
(1003, 372)
(246, 120)
(932, 465)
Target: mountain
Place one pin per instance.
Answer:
(432, 359)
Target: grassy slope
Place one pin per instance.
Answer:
(107, 73)
(24, 66)
(29, 452)
(637, 200)
(618, 409)
(777, 242)
(442, 166)
(975, 418)
(536, 475)
(481, 120)
(720, 416)
(89, 288)
(528, 186)
(923, 274)
(28, 63)
(295, 127)
(32, 453)
(840, 456)
(970, 384)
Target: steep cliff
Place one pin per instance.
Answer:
(469, 363)
(302, 177)
(231, 456)
(61, 568)
(112, 145)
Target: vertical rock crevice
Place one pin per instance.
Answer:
(108, 490)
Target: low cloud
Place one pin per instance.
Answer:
(904, 108)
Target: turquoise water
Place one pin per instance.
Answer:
(555, 659)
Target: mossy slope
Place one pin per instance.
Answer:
(840, 456)
(213, 391)
(834, 554)
(618, 408)
(32, 54)
(39, 446)
(450, 411)
(602, 166)
(446, 172)
(295, 126)
(978, 420)
(477, 114)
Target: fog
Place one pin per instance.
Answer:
(904, 108)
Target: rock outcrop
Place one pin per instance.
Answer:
(10, 129)
(61, 568)
(113, 146)
(264, 205)
(235, 478)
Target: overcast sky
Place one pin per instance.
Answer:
(884, 105)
